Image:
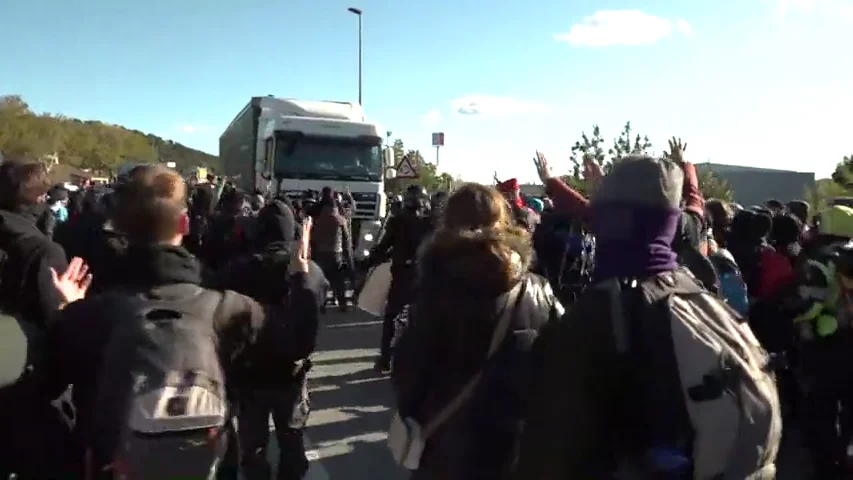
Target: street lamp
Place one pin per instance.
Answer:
(358, 13)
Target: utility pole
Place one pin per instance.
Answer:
(358, 13)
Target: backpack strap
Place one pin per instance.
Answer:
(509, 312)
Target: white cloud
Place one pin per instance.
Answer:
(495, 106)
(432, 117)
(194, 128)
(606, 28)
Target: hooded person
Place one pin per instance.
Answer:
(582, 392)
(264, 277)
(524, 216)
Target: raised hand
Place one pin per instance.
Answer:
(74, 282)
(542, 167)
(676, 150)
(302, 254)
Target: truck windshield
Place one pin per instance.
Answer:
(299, 156)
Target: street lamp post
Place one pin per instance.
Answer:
(358, 13)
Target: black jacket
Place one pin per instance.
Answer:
(26, 284)
(264, 277)
(463, 290)
(403, 235)
(81, 334)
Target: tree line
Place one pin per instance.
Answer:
(594, 147)
(589, 147)
(840, 184)
(86, 144)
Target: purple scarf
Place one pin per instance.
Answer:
(633, 241)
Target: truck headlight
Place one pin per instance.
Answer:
(366, 253)
(368, 237)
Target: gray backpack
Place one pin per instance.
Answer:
(162, 392)
(712, 402)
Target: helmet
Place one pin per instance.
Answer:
(415, 197)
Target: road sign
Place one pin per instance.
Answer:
(438, 139)
(405, 169)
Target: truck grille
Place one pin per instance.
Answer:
(366, 205)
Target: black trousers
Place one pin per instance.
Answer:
(400, 294)
(289, 407)
(828, 399)
(332, 265)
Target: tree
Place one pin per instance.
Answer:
(712, 186)
(843, 174)
(86, 144)
(428, 177)
(824, 191)
(588, 148)
(623, 146)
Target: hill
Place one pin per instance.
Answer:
(87, 144)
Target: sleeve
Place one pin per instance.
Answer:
(382, 250)
(347, 242)
(690, 193)
(566, 199)
(48, 297)
(292, 326)
(572, 404)
(812, 290)
(413, 360)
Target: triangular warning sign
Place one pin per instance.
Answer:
(405, 169)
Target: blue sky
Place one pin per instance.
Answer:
(753, 82)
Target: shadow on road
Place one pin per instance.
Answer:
(351, 403)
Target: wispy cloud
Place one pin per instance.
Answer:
(495, 106)
(606, 28)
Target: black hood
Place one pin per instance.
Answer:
(276, 226)
(154, 265)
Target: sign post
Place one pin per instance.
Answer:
(437, 142)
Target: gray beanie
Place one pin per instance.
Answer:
(642, 181)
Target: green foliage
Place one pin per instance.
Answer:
(86, 144)
(429, 178)
(629, 142)
(713, 186)
(824, 191)
(843, 174)
(592, 148)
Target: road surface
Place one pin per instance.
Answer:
(352, 407)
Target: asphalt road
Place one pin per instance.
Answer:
(352, 407)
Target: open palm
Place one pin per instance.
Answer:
(74, 282)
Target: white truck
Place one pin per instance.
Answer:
(288, 146)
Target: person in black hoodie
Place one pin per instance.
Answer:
(404, 233)
(30, 429)
(264, 277)
(27, 284)
(151, 212)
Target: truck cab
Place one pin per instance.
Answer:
(308, 145)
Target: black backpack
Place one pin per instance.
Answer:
(162, 390)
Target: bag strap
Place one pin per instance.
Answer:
(467, 391)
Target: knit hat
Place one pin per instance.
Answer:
(642, 181)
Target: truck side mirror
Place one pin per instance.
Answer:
(388, 157)
(390, 173)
